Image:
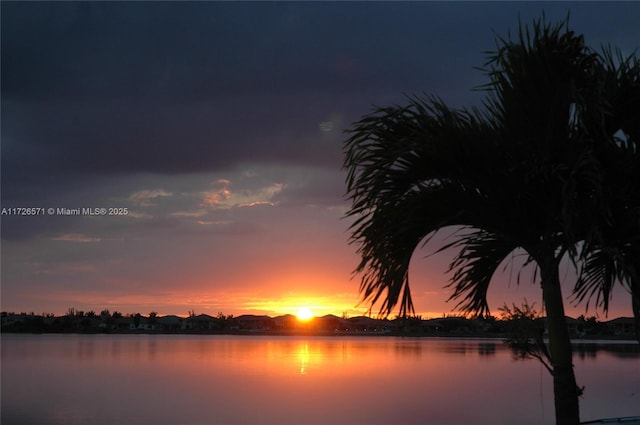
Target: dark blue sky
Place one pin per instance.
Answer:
(219, 126)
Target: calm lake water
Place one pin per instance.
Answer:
(180, 379)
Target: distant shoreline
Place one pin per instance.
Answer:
(77, 322)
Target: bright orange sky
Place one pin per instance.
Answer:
(218, 126)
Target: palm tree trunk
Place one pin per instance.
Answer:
(565, 390)
(635, 303)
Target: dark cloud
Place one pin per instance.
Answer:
(92, 89)
(97, 89)
(195, 50)
(131, 137)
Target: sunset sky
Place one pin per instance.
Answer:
(219, 126)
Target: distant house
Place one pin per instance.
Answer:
(170, 323)
(89, 324)
(574, 326)
(622, 326)
(285, 323)
(13, 319)
(432, 326)
(250, 322)
(202, 323)
(122, 323)
(366, 324)
(142, 324)
(328, 323)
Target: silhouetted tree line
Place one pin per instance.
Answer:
(520, 325)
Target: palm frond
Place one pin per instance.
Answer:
(597, 278)
(479, 257)
(411, 171)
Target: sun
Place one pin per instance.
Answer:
(304, 313)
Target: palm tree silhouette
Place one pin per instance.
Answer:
(523, 172)
(612, 253)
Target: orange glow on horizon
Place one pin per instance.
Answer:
(297, 304)
(288, 298)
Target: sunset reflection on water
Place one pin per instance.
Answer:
(304, 359)
(200, 379)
